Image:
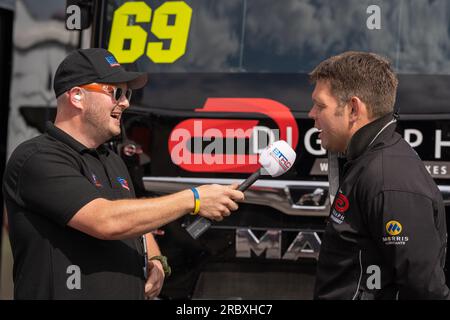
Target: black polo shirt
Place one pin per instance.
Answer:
(47, 180)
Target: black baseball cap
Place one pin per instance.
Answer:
(85, 66)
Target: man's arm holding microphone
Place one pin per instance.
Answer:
(122, 219)
(275, 160)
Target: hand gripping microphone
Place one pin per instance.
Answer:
(275, 160)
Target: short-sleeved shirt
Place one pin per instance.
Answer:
(47, 180)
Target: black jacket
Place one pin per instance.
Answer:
(386, 234)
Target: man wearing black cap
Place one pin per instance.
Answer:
(75, 230)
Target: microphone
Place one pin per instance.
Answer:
(275, 160)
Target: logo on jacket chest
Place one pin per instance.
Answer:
(340, 206)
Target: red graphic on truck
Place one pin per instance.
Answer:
(222, 154)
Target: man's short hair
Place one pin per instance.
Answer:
(365, 75)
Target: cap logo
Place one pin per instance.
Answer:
(112, 61)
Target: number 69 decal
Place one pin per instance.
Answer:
(135, 37)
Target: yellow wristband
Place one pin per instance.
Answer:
(196, 201)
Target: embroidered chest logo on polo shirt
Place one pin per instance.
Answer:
(341, 205)
(96, 182)
(123, 182)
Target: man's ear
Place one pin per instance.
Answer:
(358, 109)
(76, 96)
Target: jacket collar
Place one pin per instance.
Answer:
(368, 134)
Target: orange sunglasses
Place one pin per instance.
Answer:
(105, 88)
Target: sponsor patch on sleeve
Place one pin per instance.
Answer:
(394, 234)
